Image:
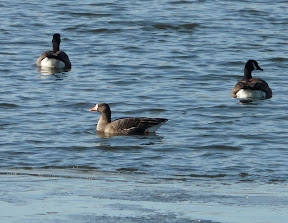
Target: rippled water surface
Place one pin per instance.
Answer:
(216, 159)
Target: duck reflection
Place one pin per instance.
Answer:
(132, 142)
(51, 71)
(139, 136)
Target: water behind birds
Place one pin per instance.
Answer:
(170, 59)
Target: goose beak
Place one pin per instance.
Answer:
(93, 109)
(259, 68)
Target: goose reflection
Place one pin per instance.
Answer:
(104, 135)
(51, 71)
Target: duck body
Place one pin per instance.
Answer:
(128, 125)
(55, 58)
(253, 94)
(249, 87)
(252, 88)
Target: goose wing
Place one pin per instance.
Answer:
(59, 55)
(44, 55)
(240, 85)
(260, 84)
(252, 84)
(135, 125)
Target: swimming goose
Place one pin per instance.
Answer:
(56, 58)
(125, 125)
(251, 87)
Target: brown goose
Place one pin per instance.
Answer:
(125, 125)
(56, 58)
(251, 87)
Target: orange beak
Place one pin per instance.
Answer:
(93, 109)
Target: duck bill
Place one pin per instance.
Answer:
(259, 68)
(93, 109)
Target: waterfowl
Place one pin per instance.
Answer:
(125, 125)
(250, 87)
(56, 58)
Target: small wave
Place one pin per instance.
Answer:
(102, 30)
(153, 110)
(180, 2)
(48, 175)
(204, 175)
(81, 28)
(182, 27)
(128, 170)
(253, 12)
(218, 147)
(87, 14)
(279, 59)
(8, 105)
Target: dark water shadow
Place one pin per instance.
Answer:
(251, 101)
(218, 147)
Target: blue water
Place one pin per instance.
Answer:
(170, 59)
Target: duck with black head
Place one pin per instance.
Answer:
(249, 87)
(56, 58)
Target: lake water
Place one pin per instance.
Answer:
(216, 160)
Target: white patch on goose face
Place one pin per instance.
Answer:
(254, 94)
(96, 107)
(52, 63)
